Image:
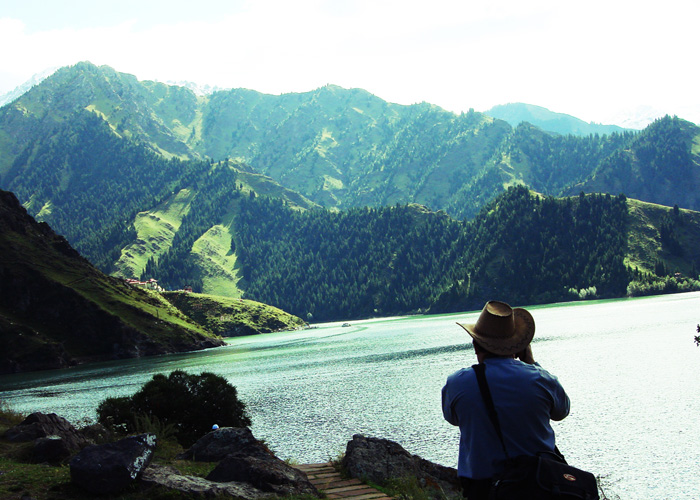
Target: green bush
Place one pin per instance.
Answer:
(189, 404)
(9, 417)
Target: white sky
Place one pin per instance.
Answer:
(590, 59)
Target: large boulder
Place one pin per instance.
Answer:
(51, 450)
(269, 474)
(109, 468)
(379, 460)
(244, 459)
(170, 479)
(39, 425)
(218, 444)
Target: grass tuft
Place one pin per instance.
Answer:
(9, 417)
(408, 488)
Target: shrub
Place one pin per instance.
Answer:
(117, 414)
(9, 417)
(188, 404)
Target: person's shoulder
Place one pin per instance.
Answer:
(460, 375)
(543, 373)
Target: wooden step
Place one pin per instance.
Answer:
(328, 480)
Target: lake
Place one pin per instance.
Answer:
(630, 367)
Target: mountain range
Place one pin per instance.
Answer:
(337, 147)
(549, 121)
(275, 198)
(635, 118)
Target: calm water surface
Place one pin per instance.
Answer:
(630, 367)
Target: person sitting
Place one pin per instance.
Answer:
(526, 398)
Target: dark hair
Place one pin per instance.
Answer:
(479, 349)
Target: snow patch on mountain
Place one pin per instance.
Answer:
(640, 116)
(196, 88)
(26, 86)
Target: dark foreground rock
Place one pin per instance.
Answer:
(244, 460)
(109, 468)
(39, 425)
(52, 450)
(218, 444)
(269, 474)
(55, 439)
(198, 487)
(379, 460)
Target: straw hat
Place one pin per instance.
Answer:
(501, 329)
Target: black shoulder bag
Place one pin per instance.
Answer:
(545, 476)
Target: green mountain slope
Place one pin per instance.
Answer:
(148, 180)
(558, 123)
(364, 262)
(662, 239)
(553, 164)
(155, 231)
(659, 165)
(233, 317)
(203, 252)
(56, 309)
(146, 111)
(535, 249)
(348, 148)
(338, 147)
(84, 179)
(122, 205)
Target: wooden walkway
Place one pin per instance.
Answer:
(328, 481)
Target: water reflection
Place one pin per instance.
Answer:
(629, 366)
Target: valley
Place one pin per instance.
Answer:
(334, 204)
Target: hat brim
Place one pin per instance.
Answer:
(524, 332)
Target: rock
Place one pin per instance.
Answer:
(198, 487)
(244, 459)
(218, 444)
(96, 433)
(109, 468)
(269, 474)
(39, 425)
(379, 460)
(51, 450)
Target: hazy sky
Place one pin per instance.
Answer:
(590, 59)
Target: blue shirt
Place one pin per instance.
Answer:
(526, 397)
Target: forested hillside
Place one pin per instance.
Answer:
(324, 265)
(661, 164)
(84, 180)
(215, 192)
(56, 309)
(346, 147)
(91, 184)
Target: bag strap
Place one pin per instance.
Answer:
(480, 370)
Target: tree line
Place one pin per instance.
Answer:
(395, 260)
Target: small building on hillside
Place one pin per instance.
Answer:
(151, 284)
